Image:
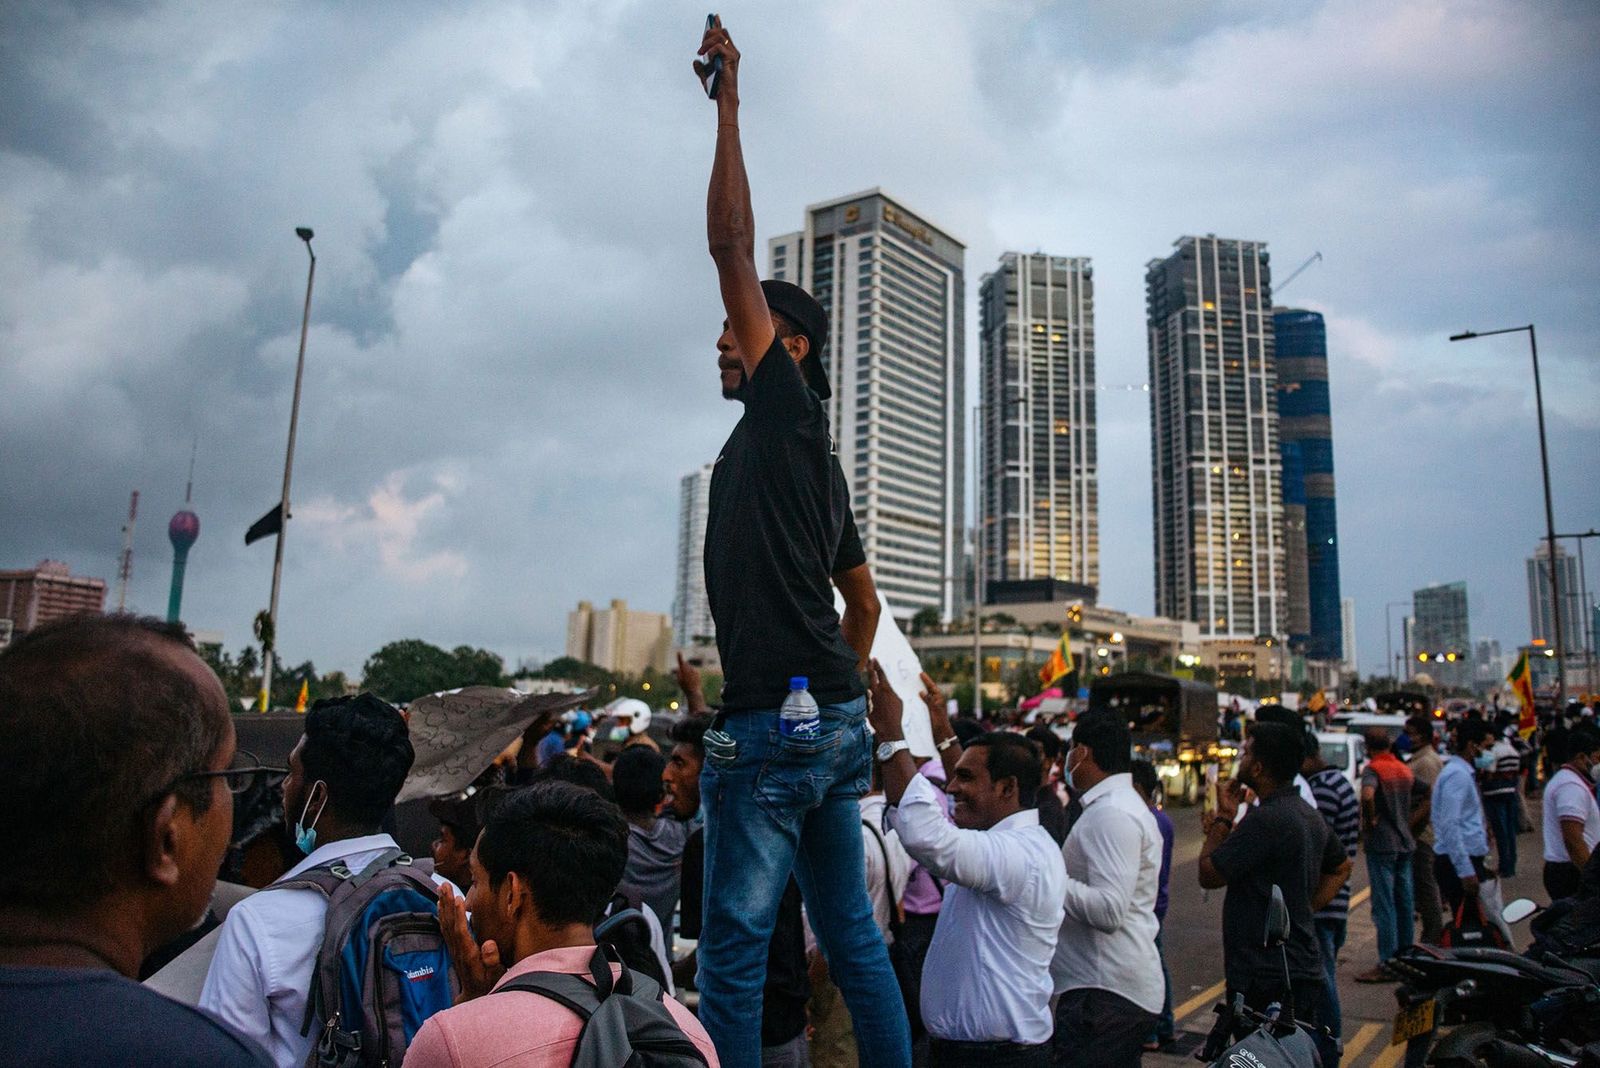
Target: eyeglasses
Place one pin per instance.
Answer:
(242, 773)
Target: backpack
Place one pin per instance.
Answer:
(625, 1020)
(623, 927)
(383, 968)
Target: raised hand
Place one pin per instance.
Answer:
(716, 42)
(477, 967)
(885, 710)
(938, 707)
(690, 683)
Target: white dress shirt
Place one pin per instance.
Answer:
(267, 952)
(987, 974)
(1108, 939)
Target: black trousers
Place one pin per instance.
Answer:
(916, 935)
(1099, 1029)
(943, 1053)
(1450, 882)
(1562, 878)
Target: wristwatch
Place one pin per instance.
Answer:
(887, 750)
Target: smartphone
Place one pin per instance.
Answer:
(714, 79)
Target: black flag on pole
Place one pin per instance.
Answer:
(266, 526)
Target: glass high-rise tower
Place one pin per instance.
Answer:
(894, 288)
(1038, 450)
(1216, 468)
(1305, 430)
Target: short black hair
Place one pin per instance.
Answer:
(1473, 731)
(967, 729)
(96, 723)
(1009, 756)
(1421, 726)
(1145, 778)
(691, 731)
(584, 773)
(636, 779)
(1046, 739)
(1107, 736)
(1288, 717)
(360, 746)
(567, 843)
(1377, 739)
(1279, 749)
(1584, 738)
(459, 812)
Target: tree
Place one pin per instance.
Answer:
(478, 667)
(925, 620)
(404, 670)
(575, 670)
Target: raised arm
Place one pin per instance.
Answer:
(730, 223)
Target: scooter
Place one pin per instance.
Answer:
(1271, 1039)
(1514, 1011)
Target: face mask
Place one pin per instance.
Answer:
(1483, 761)
(619, 734)
(1072, 772)
(305, 838)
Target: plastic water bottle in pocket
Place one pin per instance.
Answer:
(799, 717)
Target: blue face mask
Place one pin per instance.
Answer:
(1484, 761)
(305, 838)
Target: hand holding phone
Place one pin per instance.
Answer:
(713, 79)
(717, 70)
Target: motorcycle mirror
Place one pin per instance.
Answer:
(1277, 932)
(1519, 910)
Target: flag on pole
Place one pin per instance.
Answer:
(1521, 680)
(1060, 664)
(305, 695)
(266, 526)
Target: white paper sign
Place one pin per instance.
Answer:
(900, 664)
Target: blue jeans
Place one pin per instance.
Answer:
(1504, 812)
(1390, 876)
(782, 805)
(1330, 933)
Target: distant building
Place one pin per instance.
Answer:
(1541, 616)
(691, 611)
(1305, 427)
(894, 287)
(1216, 469)
(618, 638)
(1442, 635)
(1347, 614)
(45, 593)
(1489, 666)
(1038, 439)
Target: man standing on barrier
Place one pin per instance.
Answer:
(790, 752)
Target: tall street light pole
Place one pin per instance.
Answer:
(270, 639)
(1388, 637)
(1549, 509)
(979, 541)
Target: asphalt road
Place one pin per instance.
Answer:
(1193, 939)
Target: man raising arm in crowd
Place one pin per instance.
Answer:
(778, 526)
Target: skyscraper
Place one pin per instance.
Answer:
(1038, 450)
(1216, 470)
(894, 287)
(1541, 616)
(1305, 430)
(1442, 634)
(691, 612)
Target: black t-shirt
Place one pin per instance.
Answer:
(1282, 841)
(779, 525)
(788, 987)
(79, 1016)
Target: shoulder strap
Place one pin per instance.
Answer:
(570, 991)
(895, 922)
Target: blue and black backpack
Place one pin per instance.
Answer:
(383, 968)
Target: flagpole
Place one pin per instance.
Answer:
(270, 639)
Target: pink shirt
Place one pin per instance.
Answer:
(522, 1030)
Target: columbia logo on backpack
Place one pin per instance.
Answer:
(626, 1023)
(383, 968)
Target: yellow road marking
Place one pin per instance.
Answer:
(1390, 1056)
(1200, 1000)
(1361, 1041)
(1360, 896)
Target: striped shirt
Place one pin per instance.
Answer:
(1336, 801)
(1501, 780)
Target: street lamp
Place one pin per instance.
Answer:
(980, 520)
(1388, 637)
(1549, 510)
(270, 636)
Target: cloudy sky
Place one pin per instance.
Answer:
(510, 361)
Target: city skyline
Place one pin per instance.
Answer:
(511, 363)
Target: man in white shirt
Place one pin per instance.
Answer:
(991, 952)
(1571, 816)
(344, 774)
(1107, 970)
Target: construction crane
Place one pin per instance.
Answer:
(1316, 257)
(125, 561)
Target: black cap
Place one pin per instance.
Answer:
(802, 309)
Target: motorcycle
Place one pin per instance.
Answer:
(1513, 1011)
(1270, 1039)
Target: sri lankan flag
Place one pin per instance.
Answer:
(1060, 664)
(305, 694)
(1521, 680)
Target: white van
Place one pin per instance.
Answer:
(1346, 751)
